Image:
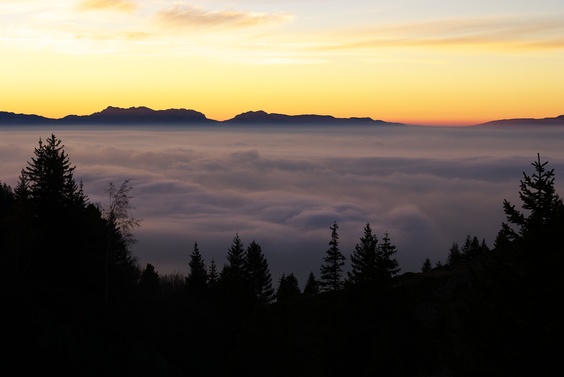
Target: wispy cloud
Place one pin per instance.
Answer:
(190, 16)
(485, 32)
(116, 5)
(115, 36)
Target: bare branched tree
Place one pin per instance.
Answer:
(120, 221)
(118, 210)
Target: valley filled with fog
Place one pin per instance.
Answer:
(285, 186)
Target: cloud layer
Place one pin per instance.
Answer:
(284, 188)
(190, 17)
(117, 5)
(506, 33)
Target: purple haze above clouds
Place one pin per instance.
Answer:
(284, 187)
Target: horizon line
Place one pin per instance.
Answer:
(441, 123)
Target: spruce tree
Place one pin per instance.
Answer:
(312, 285)
(388, 266)
(257, 274)
(213, 275)
(149, 282)
(287, 287)
(48, 182)
(8, 254)
(52, 229)
(471, 248)
(426, 265)
(197, 279)
(364, 262)
(7, 199)
(235, 259)
(233, 281)
(332, 269)
(454, 255)
(540, 224)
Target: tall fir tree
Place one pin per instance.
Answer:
(454, 255)
(364, 262)
(471, 248)
(287, 287)
(213, 275)
(426, 267)
(62, 240)
(149, 283)
(312, 285)
(233, 287)
(388, 266)
(257, 274)
(234, 269)
(541, 223)
(197, 279)
(51, 226)
(48, 182)
(332, 269)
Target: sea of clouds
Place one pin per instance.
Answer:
(285, 186)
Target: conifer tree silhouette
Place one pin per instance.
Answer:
(312, 285)
(257, 274)
(287, 287)
(48, 182)
(544, 213)
(472, 249)
(234, 269)
(149, 282)
(426, 265)
(197, 279)
(364, 261)
(454, 255)
(213, 275)
(388, 266)
(233, 283)
(51, 206)
(332, 269)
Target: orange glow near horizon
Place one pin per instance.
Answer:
(434, 69)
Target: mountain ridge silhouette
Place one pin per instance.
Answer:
(146, 115)
(553, 121)
(180, 116)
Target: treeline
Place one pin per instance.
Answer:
(78, 302)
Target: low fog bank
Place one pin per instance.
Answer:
(284, 187)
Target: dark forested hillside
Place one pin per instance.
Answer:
(75, 300)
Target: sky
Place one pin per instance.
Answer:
(284, 187)
(436, 62)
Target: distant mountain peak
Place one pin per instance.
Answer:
(555, 121)
(144, 115)
(262, 117)
(139, 115)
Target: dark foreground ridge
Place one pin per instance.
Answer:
(144, 115)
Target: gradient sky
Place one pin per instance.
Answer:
(415, 61)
